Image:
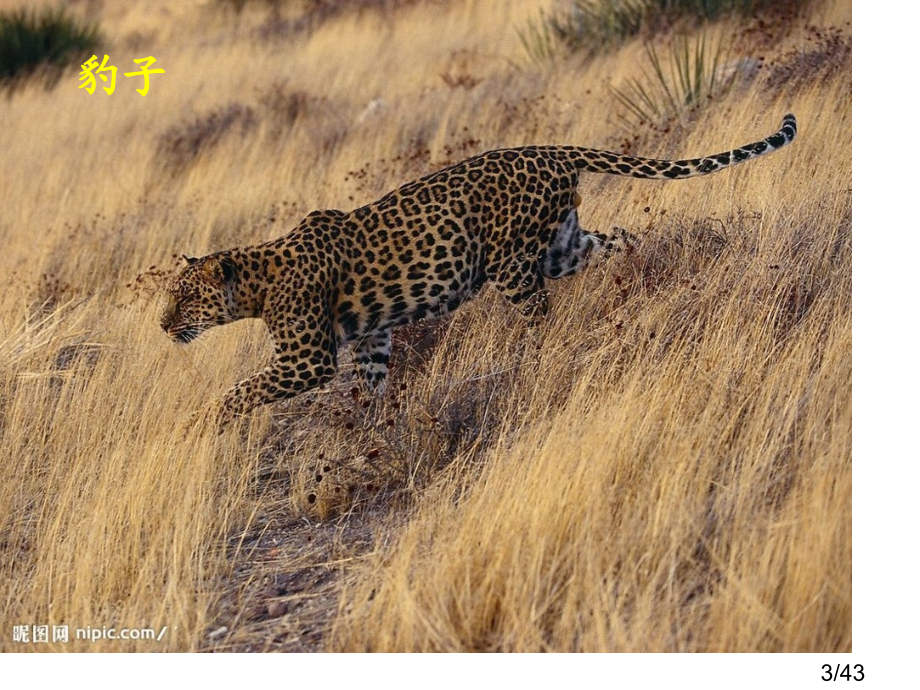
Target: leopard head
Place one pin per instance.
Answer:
(200, 297)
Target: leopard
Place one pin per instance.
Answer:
(507, 217)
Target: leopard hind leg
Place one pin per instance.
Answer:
(573, 246)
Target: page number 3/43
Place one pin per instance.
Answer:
(842, 672)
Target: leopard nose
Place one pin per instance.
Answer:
(169, 315)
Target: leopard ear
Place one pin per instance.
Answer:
(189, 260)
(219, 269)
(227, 268)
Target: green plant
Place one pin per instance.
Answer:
(591, 27)
(588, 26)
(43, 42)
(691, 73)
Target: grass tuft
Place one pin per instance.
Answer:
(43, 42)
(592, 27)
(689, 74)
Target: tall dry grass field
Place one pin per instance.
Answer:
(663, 465)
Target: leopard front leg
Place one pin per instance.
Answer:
(280, 380)
(372, 358)
(305, 358)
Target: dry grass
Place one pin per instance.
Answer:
(664, 465)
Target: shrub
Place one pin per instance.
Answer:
(239, 5)
(691, 73)
(42, 42)
(595, 26)
(184, 143)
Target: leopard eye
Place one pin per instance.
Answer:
(182, 303)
